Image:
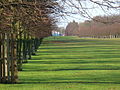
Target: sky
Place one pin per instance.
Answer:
(95, 11)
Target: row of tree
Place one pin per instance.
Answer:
(108, 28)
(23, 25)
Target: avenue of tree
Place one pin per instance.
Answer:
(23, 25)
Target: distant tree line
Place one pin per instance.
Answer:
(108, 28)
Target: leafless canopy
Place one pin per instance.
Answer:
(88, 8)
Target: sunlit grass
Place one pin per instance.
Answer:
(72, 63)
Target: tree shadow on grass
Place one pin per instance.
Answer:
(71, 40)
(60, 57)
(40, 82)
(38, 69)
(59, 80)
(71, 62)
(78, 52)
(67, 47)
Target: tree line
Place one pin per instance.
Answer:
(23, 25)
(108, 28)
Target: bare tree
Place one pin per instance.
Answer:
(87, 8)
(72, 29)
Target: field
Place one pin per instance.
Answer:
(72, 63)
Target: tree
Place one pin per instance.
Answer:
(100, 29)
(85, 8)
(71, 29)
(23, 25)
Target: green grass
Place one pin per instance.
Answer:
(72, 63)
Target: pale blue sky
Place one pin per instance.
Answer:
(78, 18)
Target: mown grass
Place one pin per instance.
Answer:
(72, 63)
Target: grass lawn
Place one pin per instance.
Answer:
(72, 63)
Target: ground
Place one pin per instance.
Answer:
(72, 63)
